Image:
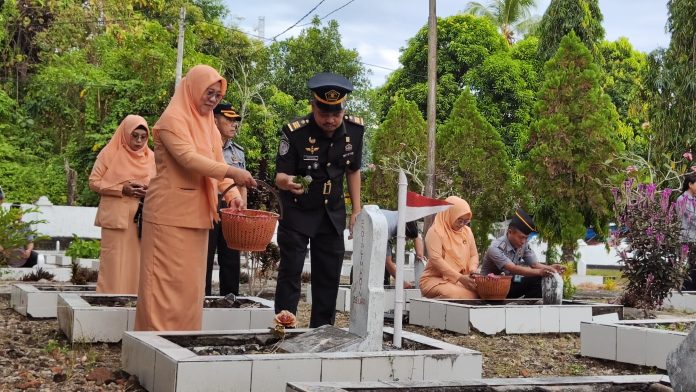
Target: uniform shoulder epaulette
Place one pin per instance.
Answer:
(297, 124)
(238, 146)
(354, 119)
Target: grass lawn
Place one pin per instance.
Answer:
(604, 272)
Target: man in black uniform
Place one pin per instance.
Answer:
(324, 145)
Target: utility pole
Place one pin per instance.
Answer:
(432, 84)
(261, 29)
(180, 44)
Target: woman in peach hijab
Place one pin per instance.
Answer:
(121, 176)
(452, 254)
(181, 205)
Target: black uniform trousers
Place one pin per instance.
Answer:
(228, 260)
(530, 287)
(326, 255)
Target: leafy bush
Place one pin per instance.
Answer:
(568, 288)
(14, 231)
(37, 275)
(85, 249)
(261, 266)
(81, 275)
(654, 260)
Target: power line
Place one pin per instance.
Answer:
(327, 15)
(299, 20)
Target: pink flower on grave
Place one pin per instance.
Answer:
(688, 156)
(693, 168)
(285, 319)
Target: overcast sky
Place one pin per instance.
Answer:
(377, 29)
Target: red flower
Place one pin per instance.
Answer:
(286, 319)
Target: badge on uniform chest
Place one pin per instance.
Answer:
(312, 148)
(310, 157)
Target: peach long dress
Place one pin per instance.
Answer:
(116, 164)
(180, 207)
(451, 254)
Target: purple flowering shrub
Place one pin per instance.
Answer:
(654, 261)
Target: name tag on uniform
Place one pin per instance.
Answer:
(348, 154)
(310, 157)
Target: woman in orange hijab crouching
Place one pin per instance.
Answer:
(121, 176)
(181, 205)
(452, 254)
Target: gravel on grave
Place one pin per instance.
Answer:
(36, 356)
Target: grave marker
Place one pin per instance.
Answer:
(367, 291)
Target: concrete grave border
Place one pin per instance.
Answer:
(623, 341)
(162, 365)
(83, 322)
(686, 301)
(558, 382)
(29, 300)
(512, 319)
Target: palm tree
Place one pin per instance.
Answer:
(509, 15)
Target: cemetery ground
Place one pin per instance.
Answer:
(36, 356)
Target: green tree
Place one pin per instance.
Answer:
(623, 69)
(671, 88)
(317, 49)
(474, 164)
(400, 142)
(584, 17)
(511, 16)
(505, 89)
(575, 132)
(464, 43)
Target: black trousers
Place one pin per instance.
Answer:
(326, 255)
(32, 260)
(529, 287)
(690, 282)
(228, 259)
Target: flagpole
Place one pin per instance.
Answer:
(400, 247)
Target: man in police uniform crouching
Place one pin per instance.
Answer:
(324, 145)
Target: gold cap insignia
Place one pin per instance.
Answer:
(332, 95)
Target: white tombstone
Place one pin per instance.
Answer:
(582, 267)
(552, 289)
(367, 291)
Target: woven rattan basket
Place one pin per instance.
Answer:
(249, 230)
(492, 287)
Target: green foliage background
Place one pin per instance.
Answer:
(71, 70)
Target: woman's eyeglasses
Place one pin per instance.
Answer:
(212, 94)
(138, 137)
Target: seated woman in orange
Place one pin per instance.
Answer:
(181, 205)
(121, 176)
(452, 254)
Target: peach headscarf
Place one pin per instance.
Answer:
(181, 117)
(454, 242)
(122, 163)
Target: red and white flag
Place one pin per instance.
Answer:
(418, 206)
